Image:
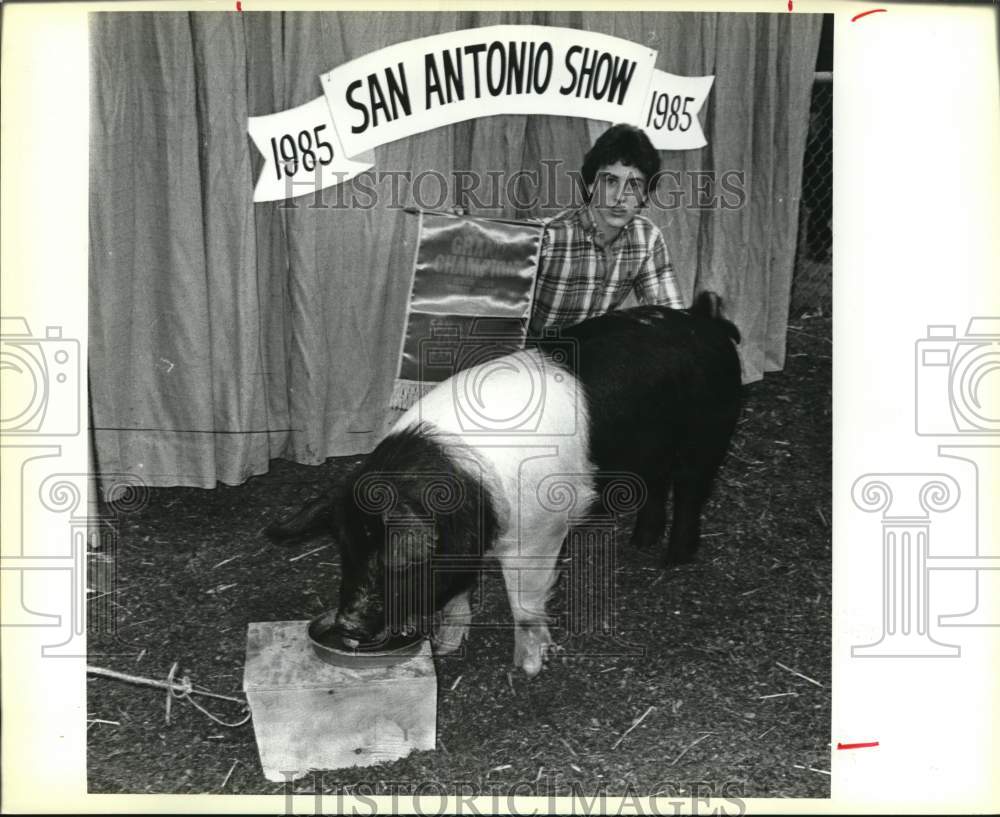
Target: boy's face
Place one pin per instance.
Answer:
(617, 195)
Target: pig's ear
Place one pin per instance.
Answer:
(409, 542)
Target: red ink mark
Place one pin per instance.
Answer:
(789, 5)
(239, 5)
(865, 14)
(856, 745)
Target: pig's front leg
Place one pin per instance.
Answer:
(529, 582)
(453, 625)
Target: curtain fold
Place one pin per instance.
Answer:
(175, 359)
(225, 333)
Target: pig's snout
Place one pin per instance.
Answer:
(352, 630)
(366, 628)
(361, 623)
(360, 618)
(355, 633)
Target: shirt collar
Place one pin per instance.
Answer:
(589, 224)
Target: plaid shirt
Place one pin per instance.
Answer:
(579, 277)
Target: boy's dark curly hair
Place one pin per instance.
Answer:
(626, 144)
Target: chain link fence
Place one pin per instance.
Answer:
(812, 280)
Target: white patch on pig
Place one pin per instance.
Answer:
(521, 422)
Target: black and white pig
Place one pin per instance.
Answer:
(469, 471)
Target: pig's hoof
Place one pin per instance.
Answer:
(532, 646)
(672, 558)
(644, 539)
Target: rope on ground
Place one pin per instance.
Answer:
(182, 690)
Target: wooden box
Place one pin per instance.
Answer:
(310, 715)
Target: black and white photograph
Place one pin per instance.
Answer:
(452, 414)
(504, 461)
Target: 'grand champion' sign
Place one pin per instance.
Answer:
(431, 82)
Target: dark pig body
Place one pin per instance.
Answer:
(663, 390)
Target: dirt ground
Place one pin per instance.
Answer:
(726, 640)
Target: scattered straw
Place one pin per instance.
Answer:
(230, 774)
(734, 455)
(136, 623)
(809, 335)
(777, 695)
(308, 553)
(635, 723)
(455, 684)
(811, 769)
(689, 747)
(572, 751)
(796, 672)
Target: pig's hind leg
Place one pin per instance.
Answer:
(690, 493)
(692, 485)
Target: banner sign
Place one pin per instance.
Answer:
(411, 87)
(302, 152)
(470, 299)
